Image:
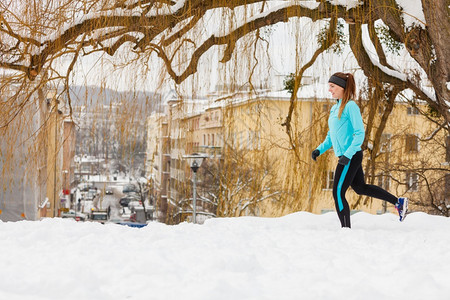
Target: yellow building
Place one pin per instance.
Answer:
(207, 136)
(264, 171)
(254, 123)
(413, 159)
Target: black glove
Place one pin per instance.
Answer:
(315, 154)
(343, 160)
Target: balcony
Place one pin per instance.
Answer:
(211, 151)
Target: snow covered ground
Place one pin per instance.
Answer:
(299, 256)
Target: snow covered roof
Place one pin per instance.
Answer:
(310, 91)
(194, 107)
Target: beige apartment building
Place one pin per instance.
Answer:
(158, 160)
(68, 163)
(265, 172)
(58, 176)
(37, 162)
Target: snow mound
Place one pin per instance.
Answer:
(299, 256)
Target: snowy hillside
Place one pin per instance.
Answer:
(299, 256)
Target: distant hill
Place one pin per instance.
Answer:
(93, 96)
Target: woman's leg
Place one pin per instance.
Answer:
(361, 188)
(343, 177)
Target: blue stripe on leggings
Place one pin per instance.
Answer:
(341, 182)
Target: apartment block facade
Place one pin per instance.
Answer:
(37, 157)
(276, 173)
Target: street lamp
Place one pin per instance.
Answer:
(65, 189)
(195, 161)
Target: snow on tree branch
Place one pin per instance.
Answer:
(29, 44)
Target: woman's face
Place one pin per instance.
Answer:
(335, 90)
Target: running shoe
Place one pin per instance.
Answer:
(402, 207)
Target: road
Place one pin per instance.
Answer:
(103, 201)
(111, 201)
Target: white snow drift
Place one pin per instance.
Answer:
(299, 256)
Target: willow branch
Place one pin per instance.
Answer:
(331, 39)
(69, 70)
(184, 30)
(16, 36)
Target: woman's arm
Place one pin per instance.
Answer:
(326, 144)
(358, 129)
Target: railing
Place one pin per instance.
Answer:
(209, 150)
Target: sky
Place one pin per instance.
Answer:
(298, 256)
(290, 45)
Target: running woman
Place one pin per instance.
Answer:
(346, 135)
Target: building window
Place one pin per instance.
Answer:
(412, 181)
(219, 139)
(384, 181)
(241, 140)
(254, 140)
(234, 140)
(326, 107)
(385, 142)
(412, 143)
(257, 141)
(412, 111)
(329, 180)
(204, 139)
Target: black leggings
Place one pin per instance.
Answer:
(352, 175)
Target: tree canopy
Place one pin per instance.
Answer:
(36, 34)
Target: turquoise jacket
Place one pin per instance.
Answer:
(346, 134)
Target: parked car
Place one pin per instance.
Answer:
(78, 216)
(99, 216)
(109, 191)
(134, 204)
(124, 201)
(129, 188)
(84, 187)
